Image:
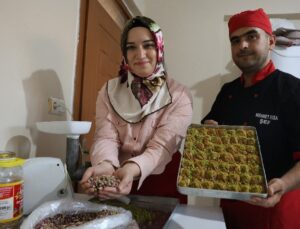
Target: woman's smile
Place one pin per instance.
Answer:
(142, 63)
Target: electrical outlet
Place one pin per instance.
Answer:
(56, 106)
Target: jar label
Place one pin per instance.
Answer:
(11, 201)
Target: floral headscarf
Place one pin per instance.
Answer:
(134, 97)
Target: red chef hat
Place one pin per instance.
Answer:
(250, 18)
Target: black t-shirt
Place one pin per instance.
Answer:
(273, 107)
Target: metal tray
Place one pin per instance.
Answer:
(218, 193)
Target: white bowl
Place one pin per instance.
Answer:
(64, 127)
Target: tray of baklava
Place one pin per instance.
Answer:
(222, 161)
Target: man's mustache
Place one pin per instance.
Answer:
(244, 53)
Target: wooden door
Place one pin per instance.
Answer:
(101, 58)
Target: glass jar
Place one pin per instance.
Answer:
(11, 190)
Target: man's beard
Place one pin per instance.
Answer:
(254, 63)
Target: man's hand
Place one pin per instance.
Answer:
(280, 186)
(210, 122)
(276, 189)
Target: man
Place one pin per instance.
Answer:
(269, 100)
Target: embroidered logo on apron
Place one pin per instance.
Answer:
(266, 119)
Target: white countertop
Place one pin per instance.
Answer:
(190, 217)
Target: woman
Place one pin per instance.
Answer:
(141, 118)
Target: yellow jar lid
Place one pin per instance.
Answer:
(7, 155)
(8, 159)
(12, 162)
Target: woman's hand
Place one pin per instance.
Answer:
(104, 168)
(126, 174)
(276, 189)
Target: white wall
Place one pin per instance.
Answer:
(197, 46)
(38, 45)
